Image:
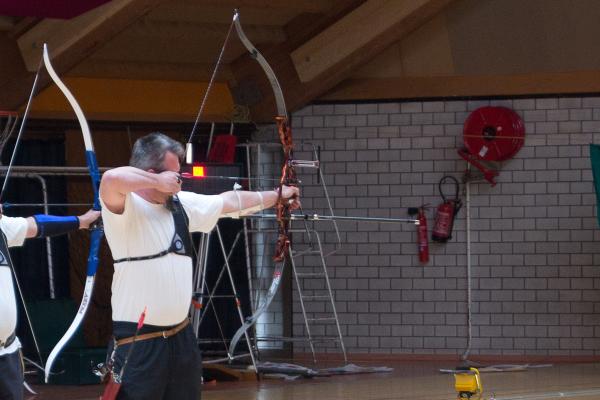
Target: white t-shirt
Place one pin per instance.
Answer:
(15, 230)
(164, 284)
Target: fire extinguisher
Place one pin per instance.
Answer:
(445, 213)
(422, 238)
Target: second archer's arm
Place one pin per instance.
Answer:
(43, 225)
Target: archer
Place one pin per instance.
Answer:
(147, 221)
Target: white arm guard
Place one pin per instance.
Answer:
(245, 211)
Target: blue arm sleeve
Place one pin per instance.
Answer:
(53, 225)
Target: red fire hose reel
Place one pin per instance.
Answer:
(491, 134)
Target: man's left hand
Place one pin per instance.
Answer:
(293, 194)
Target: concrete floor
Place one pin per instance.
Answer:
(409, 380)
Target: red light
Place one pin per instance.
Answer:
(198, 171)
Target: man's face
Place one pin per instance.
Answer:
(171, 162)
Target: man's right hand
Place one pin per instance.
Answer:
(169, 182)
(88, 218)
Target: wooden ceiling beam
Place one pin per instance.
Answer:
(531, 84)
(22, 26)
(70, 42)
(6, 23)
(11, 68)
(360, 35)
(253, 89)
(119, 69)
(195, 32)
(297, 5)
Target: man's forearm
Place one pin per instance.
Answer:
(253, 201)
(43, 225)
(129, 179)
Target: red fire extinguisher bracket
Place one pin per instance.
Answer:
(488, 170)
(422, 239)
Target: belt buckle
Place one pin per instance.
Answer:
(164, 335)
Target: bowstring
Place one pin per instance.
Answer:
(4, 185)
(194, 127)
(21, 128)
(210, 83)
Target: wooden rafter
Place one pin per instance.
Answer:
(122, 69)
(250, 86)
(299, 5)
(70, 41)
(401, 18)
(547, 83)
(78, 37)
(6, 23)
(364, 32)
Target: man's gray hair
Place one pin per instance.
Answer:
(149, 151)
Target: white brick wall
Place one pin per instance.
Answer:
(536, 279)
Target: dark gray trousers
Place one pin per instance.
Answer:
(159, 369)
(11, 376)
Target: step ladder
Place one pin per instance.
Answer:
(204, 295)
(313, 273)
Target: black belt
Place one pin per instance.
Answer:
(8, 341)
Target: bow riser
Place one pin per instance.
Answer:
(288, 178)
(92, 164)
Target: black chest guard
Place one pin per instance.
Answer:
(4, 256)
(180, 243)
(5, 261)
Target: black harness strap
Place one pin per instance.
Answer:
(157, 255)
(180, 243)
(10, 340)
(4, 256)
